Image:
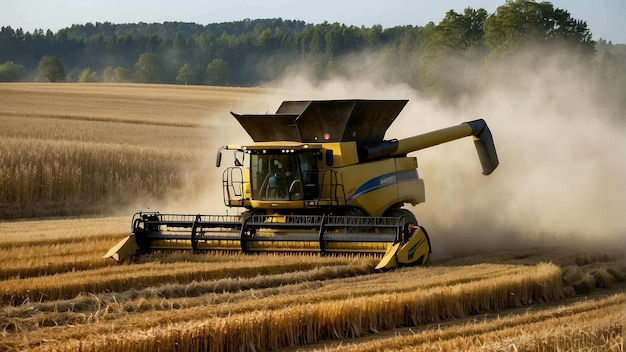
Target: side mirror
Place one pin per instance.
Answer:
(218, 162)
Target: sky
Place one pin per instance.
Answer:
(605, 18)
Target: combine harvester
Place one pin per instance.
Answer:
(319, 177)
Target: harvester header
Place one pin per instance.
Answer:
(319, 177)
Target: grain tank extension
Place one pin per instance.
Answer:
(319, 177)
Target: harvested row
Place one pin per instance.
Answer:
(29, 261)
(119, 278)
(300, 324)
(147, 308)
(115, 278)
(69, 243)
(594, 325)
(58, 231)
(163, 305)
(46, 247)
(328, 283)
(175, 302)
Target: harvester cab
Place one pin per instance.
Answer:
(318, 177)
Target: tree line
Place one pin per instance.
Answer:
(250, 52)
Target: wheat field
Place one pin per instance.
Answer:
(87, 149)
(79, 151)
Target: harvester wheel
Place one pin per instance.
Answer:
(355, 212)
(411, 221)
(410, 217)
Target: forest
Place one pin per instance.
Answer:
(250, 52)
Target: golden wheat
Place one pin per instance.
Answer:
(300, 324)
(57, 177)
(72, 150)
(182, 105)
(318, 299)
(185, 289)
(598, 324)
(116, 278)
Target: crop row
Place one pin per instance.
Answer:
(174, 289)
(305, 323)
(183, 293)
(115, 278)
(592, 325)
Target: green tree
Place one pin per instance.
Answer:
(179, 44)
(148, 69)
(87, 76)
(51, 69)
(374, 36)
(407, 50)
(116, 75)
(266, 39)
(184, 73)
(11, 72)
(73, 75)
(217, 72)
(122, 75)
(428, 61)
(108, 75)
(452, 53)
(464, 31)
(524, 22)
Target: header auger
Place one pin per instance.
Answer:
(318, 177)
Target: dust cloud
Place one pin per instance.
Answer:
(560, 141)
(561, 144)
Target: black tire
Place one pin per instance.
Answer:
(355, 212)
(410, 217)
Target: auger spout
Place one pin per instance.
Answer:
(483, 142)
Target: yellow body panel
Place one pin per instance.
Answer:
(415, 251)
(410, 191)
(372, 186)
(123, 249)
(367, 187)
(276, 204)
(246, 189)
(344, 154)
(377, 185)
(390, 259)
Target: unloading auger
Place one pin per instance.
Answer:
(319, 177)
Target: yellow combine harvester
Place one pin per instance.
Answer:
(319, 177)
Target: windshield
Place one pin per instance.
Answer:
(276, 175)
